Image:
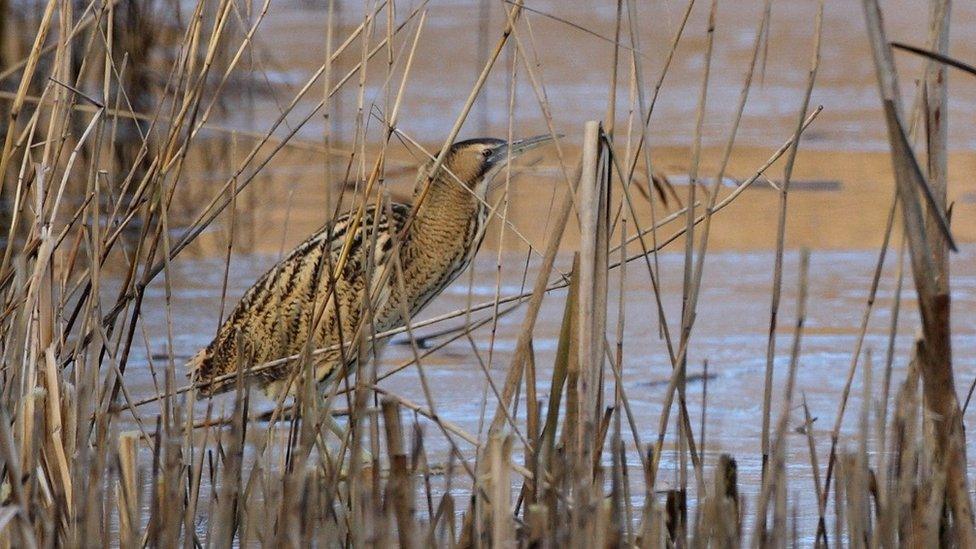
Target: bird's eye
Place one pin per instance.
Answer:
(486, 153)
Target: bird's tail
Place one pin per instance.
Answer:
(197, 370)
(209, 375)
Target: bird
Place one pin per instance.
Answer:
(395, 259)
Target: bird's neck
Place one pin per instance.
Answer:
(447, 219)
(447, 202)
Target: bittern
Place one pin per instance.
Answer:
(398, 258)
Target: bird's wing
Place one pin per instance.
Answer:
(385, 271)
(335, 232)
(328, 241)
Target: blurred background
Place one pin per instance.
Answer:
(842, 185)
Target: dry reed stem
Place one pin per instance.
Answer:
(14, 112)
(930, 274)
(591, 200)
(781, 238)
(774, 477)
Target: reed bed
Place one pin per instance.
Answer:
(108, 105)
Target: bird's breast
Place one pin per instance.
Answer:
(439, 253)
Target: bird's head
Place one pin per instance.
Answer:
(476, 161)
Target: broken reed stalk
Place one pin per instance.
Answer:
(401, 493)
(926, 226)
(592, 202)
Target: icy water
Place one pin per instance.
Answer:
(838, 209)
(730, 334)
(574, 67)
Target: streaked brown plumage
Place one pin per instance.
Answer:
(274, 317)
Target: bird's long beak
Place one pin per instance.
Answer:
(518, 147)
